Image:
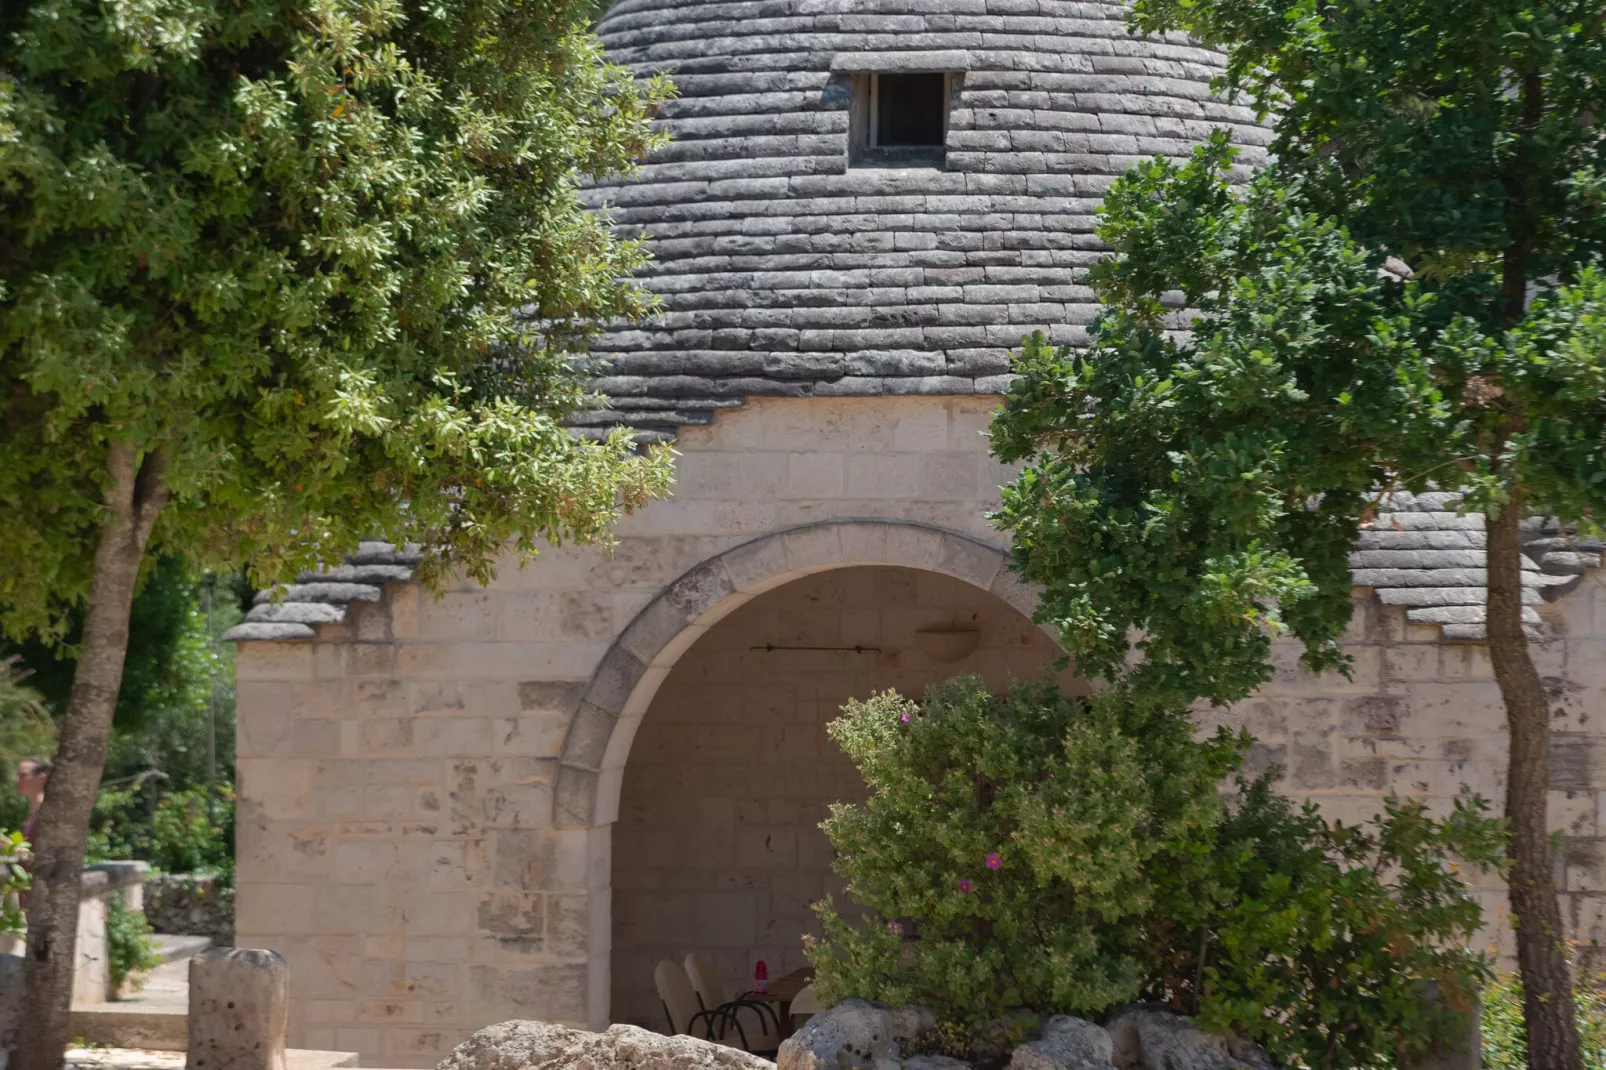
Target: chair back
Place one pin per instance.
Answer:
(704, 980)
(805, 1003)
(675, 991)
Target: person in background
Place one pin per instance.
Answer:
(31, 776)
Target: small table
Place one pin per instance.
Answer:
(782, 991)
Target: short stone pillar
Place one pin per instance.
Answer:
(239, 1008)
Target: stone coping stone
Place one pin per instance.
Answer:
(104, 877)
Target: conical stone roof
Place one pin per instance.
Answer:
(787, 268)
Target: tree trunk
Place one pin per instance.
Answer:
(135, 496)
(1547, 992)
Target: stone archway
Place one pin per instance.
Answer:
(622, 687)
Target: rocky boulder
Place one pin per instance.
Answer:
(10, 1004)
(855, 1035)
(1147, 1037)
(527, 1045)
(1066, 1044)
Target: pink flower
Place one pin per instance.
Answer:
(904, 718)
(895, 927)
(964, 885)
(994, 861)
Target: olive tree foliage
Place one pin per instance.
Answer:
(276, 275)
(1410, 297)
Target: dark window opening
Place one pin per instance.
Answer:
(901, 119)
(911, 110)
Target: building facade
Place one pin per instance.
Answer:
(511, 801)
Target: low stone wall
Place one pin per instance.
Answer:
(188, 904)
(92, 976)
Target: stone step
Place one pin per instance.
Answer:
(139, 1026)
(157, 1059)
(175, 947)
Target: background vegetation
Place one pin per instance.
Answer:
(153, 803)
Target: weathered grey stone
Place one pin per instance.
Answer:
(239, 1007)
(853, 1035)
(1148, 1037)
(10, 1004)
(531, 1045)
(574, 798)
(763, 201)
(1066, 1044)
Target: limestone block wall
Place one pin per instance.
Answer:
(1423, 717)
(718, 845)
(396, 833)
(428, 790)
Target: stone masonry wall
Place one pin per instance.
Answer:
(396, 833)
(1423, 717)
(718, 845)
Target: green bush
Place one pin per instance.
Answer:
(1315, 938)
(13, 881)
(1505, 1045)
(130, 951)
(1030, 853)
(1002, 852)
(176, 832)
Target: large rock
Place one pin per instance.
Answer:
(1155, 1038)
(1066, 1044)
(527, 1045)
(853, 1035)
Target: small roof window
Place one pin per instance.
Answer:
(900, 119)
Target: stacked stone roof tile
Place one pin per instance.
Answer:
(295, 611)
(1419, 553)
(785, 269)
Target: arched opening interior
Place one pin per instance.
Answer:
(717, 846)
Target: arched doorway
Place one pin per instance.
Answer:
(717, 844)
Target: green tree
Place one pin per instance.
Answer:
(1200, 491)
(276, 275)
(173, 674)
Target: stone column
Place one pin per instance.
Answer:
(239, 1007)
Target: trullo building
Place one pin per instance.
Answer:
(511, 802)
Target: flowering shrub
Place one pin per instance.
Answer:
(1029, 854)
(1001, 854)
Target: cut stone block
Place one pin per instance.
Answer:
(239, 1008)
